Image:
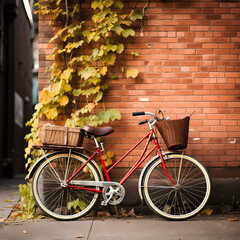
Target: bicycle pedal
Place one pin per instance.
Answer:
(104, 203)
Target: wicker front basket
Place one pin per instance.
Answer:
(61, 135)
(174, 132)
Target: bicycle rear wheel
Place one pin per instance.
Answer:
(53, 195)
(187, 198)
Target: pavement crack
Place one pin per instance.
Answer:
(90, 230)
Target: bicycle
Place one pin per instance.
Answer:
(67, 184)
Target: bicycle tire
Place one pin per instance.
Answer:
(187, 198)
(63, 203)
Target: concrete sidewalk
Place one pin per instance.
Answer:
(216, 227)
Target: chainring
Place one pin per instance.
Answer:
(113, 194)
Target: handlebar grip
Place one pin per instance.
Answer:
(138, 113)
(143, 122)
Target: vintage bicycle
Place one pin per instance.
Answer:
(67, 183)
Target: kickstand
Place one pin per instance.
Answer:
(115, 207)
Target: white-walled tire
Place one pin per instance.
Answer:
(51, 193)
(187, 198)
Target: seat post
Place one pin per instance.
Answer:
(96, 143)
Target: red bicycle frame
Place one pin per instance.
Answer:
(134, 167)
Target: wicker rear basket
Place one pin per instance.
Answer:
(61, 135)
(174, 132)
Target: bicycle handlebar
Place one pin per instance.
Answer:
(148, 113)
(138, 113)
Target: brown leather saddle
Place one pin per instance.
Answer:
(97, 131)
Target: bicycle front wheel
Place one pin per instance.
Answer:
(176, 202)
(52, 193)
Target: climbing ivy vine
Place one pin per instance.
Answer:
(82, 59)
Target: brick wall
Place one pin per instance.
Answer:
(188, 60)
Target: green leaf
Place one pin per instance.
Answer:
(120, 48)
(90, 36)
(70, 46)
(112, 48)
(111, 114)
(88, 72)
(126, 22)
(128, 32)
(135, 53)
(118, 4)
(132, 73)
(136, 14)
(115, 114)
(97, 4)
(117, 29)
(77, 92)
(98, 97)
(108, 3)
(109, 59)
(104, 116)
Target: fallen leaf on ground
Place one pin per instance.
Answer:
(123, 212)
(233, 219)
(104, 214)
(132, 213)
(79, 236)
(207, 212)
(9, 206)
(25, 232)
(1, 220)
(7, 200)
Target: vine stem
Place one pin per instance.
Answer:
(141, 32)
(67, 13)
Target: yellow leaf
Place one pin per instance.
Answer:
(79, 236)
(63, 101)
(207, 212)
(104, 157)
(51, 113)
(86, 169)
(67, 87)
(108, 162)
(46, 95)
(103, 70)
(7, 200)
(110, 154)
(56, 88)
(67, 75)
(132, 73)
(56, 72)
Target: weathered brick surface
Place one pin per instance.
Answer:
(189, 60)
